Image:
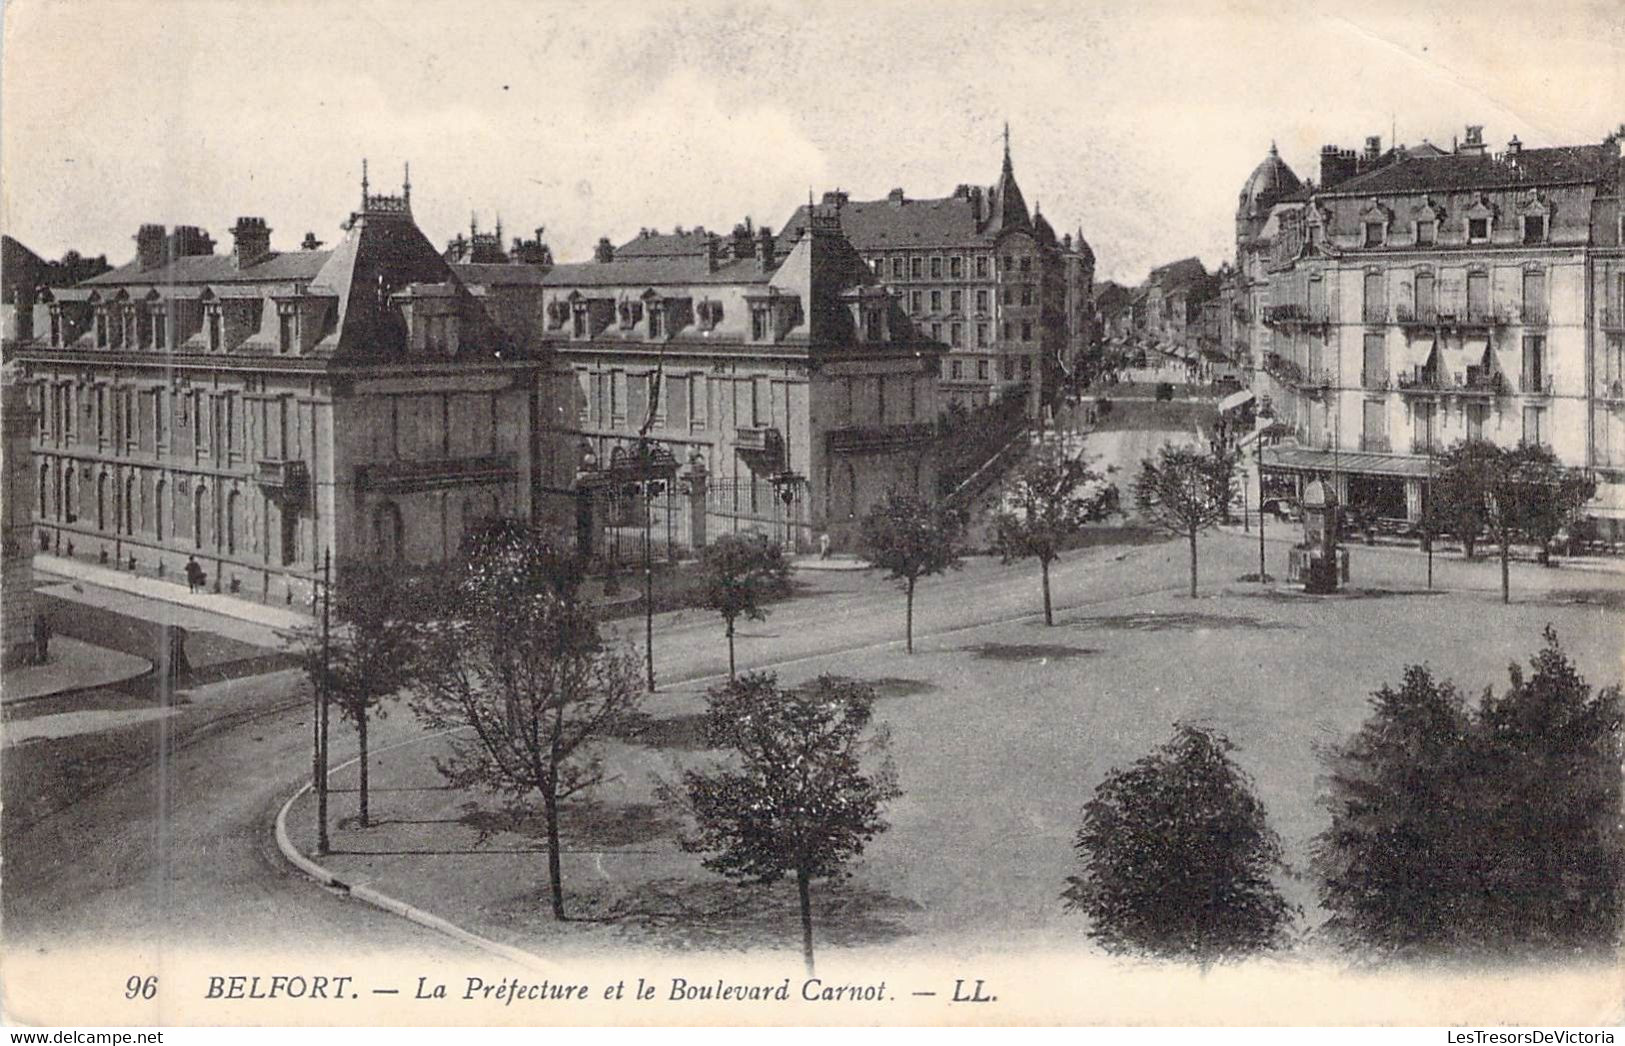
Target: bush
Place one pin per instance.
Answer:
(1176, 857)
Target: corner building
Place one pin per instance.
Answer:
(1418, 297)
(257, 409)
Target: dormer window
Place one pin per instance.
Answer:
(212, 322)
(557, 312)
(1374, 234)
(440, 334)
(160, 329)
(101, 329)
(56, 326)
(873, 325)
(287, 328)
(1534, 228)
(631, 313)
(1427, 231)
(709, 313)
(579, 326)
(1478, 230)
(761, 321)
(657, 319)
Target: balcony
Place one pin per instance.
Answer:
(877, 439)
(1375, 444)
(1411, 316)
(1613, 318)
(1479, 318)
(762, 447)
(1535, 384)
(283, 480)
(404, 477)
(1421, 382)
(1480, 382)
(1374, 313)
(1611, 391)
(1532, 316)
(1375, 382)
(1426, 443)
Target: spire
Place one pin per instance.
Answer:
(363, 183)
(1007, 145)
(1007, 209)
(1273, 150)
(406, 184)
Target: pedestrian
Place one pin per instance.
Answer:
(42, 639)
(823, 546)
(194, 574)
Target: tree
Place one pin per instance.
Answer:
(1048, 500)
(520, 666)
(910, 538)
(369, 655)
(1457, 501)
(1485, 829)
(795, 800)
(1185, 491)
(1547, 496)
(739, 574)
(1176, 857)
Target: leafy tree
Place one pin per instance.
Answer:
(1185, 491)
(377, 619)
(910, 538)
(1048, 500)
(1457, 500)
(1548, 496)
(520, 669)
(1484, 829)
(739, 574)
(794, 801)
(1176, 856)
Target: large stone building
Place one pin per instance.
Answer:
(980, 273)
(1418, 297)
(774, 371)
(258, 409)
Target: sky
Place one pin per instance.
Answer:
(1137, 123)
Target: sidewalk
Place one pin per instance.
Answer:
(170, 592)
(73, 666)
(1291, 532)
(811, 561)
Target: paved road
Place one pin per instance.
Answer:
(180, 854)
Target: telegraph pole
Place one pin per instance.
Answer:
(1262, 577)
(648, 578)
(321, 726)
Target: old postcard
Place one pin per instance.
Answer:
(758, 513)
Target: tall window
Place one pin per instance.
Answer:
(1026, 263)
(1478, 229)
(956, 369)
(1426, 298)
(160, 330)
(1534, 228)
(1374, 364)
(1478, 295)
(871, 318)
(1375, 420)
(981, 267)
(956, 267)
(914, 268)
(578, 327)
(657, 319)
(981, 335)
(981, 301)
(1009, 368)
(953, 301)
(214, 329)
(101, 330)
(287, 330)
(1426, 231)
(897, 268)
(1376, 303)
(1534, 363)
(1373, 234)
(953, 335)
(936, 268)
(1534, 426)
(981, 370)
(1026, 330)
(915, 300)
(1026, 294)
(1476, 414)
(1613, 361)
(759, 325)
(936, 301)
(1534, 296)
(1424, 437)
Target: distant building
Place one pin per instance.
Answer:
(258, 409)
(980, 273)
(1418, 297)
(17, 557)
(775, 372)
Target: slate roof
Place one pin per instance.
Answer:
(677, 269)
(218, 268)
(19, 268)
(880, 224)
(500, 274)
(1182, 273)
(1466, 171)
(663, 245)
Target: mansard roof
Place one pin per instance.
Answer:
(278, 267)
(1468, 171)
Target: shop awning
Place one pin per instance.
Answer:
(1469, 352)
(1306, 459)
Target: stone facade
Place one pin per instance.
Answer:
(788, 387)
(256, 410)
(17, 582)
(1416, 298)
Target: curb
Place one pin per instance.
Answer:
(382, 901)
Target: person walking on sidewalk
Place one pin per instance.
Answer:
(194, 575)
(42, 639)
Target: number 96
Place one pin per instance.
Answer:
(138, 987)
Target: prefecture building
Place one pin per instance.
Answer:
(772, 380)
(1417, 297)
(257, 408)
(980, 273)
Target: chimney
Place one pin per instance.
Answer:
(1373, 148)
(149, 246)
(1474, 145)
(741, 241)
(764, 237)
(188, 240)
(713, 246)
(605, 251)
(895, 197)
(253, 241)
(836, 199)
(1514, 147)
(1336, 165)
(311, 243)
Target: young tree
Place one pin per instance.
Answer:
(910, 538)
(377, 619)
(521, 668)
(1458, 499)
(740, 573)
(1176, 857)
(1185, 491)
(1048, 500)
(1548, 496)
(1486, 829)
(795, 800)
